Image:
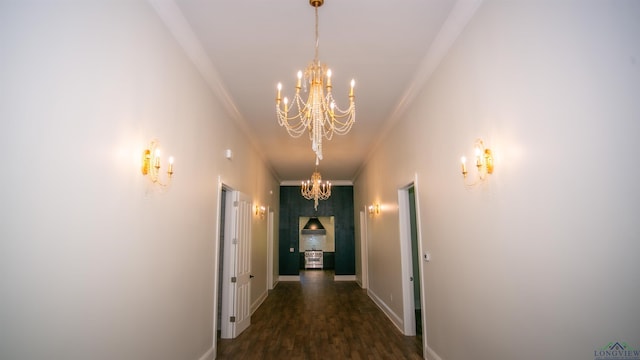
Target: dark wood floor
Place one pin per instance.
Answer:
(318, 318)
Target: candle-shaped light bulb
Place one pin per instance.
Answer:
(329, 78)
(478, 157)
(299, 83)
(156, 159)
(286, 102)
(279, 89)
(170, 170)
(463, 161)
(353, 83)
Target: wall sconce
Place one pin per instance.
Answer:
(151, 164)
(260, 211)
(374, 209)
(483, 162)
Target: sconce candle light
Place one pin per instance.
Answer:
(260, 211)
(374, 209)
(484, 162)
(463, 160)
(151, 164)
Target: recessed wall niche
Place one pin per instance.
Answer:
(317, 241)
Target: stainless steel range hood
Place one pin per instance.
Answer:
(313, 227)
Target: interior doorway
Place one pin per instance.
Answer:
(411, 265)
(415, 260)
(364, 254)
(270, 249)
(221, 241)
(234, 272)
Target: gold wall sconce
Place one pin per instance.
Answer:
(483, 162)
(151, 164)
(260, 211)
(374, 209)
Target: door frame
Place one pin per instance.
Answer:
(226, 328)
(218, 256)
(364, 250)
(407, 262)
(221, 271)
(236, 270)
(270, 270)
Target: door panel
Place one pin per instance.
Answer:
(243, 263)
(236, 289)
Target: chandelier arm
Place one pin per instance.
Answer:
(294, 131)
(342, 130)
(298, 128)
(331, 100)
(338, 120)
(341, 113)
(288, 122)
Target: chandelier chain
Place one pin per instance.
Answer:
(317, 36)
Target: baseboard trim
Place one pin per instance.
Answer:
(289, 278)
(344, 278)
(431, 355)
(395, 319)
(209, 354)
(259, 302)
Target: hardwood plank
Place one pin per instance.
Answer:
(318, 318)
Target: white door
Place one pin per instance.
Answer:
(237, 268)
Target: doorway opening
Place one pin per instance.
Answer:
(270, 249)
(221, 232)
(363, 252)
(234, 264)
(412, 268)
(415, 260)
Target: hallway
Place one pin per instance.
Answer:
(318, 318)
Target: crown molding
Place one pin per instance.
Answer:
(179, 27)
(460, 15)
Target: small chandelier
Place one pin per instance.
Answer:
(320, 114)
(315, 189)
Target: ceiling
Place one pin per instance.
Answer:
(244, 48)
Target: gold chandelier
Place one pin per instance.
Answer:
(315, 189)
(320, 114)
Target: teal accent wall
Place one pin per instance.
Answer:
(339, 205)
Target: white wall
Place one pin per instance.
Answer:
(94, 262)
(541, 261)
